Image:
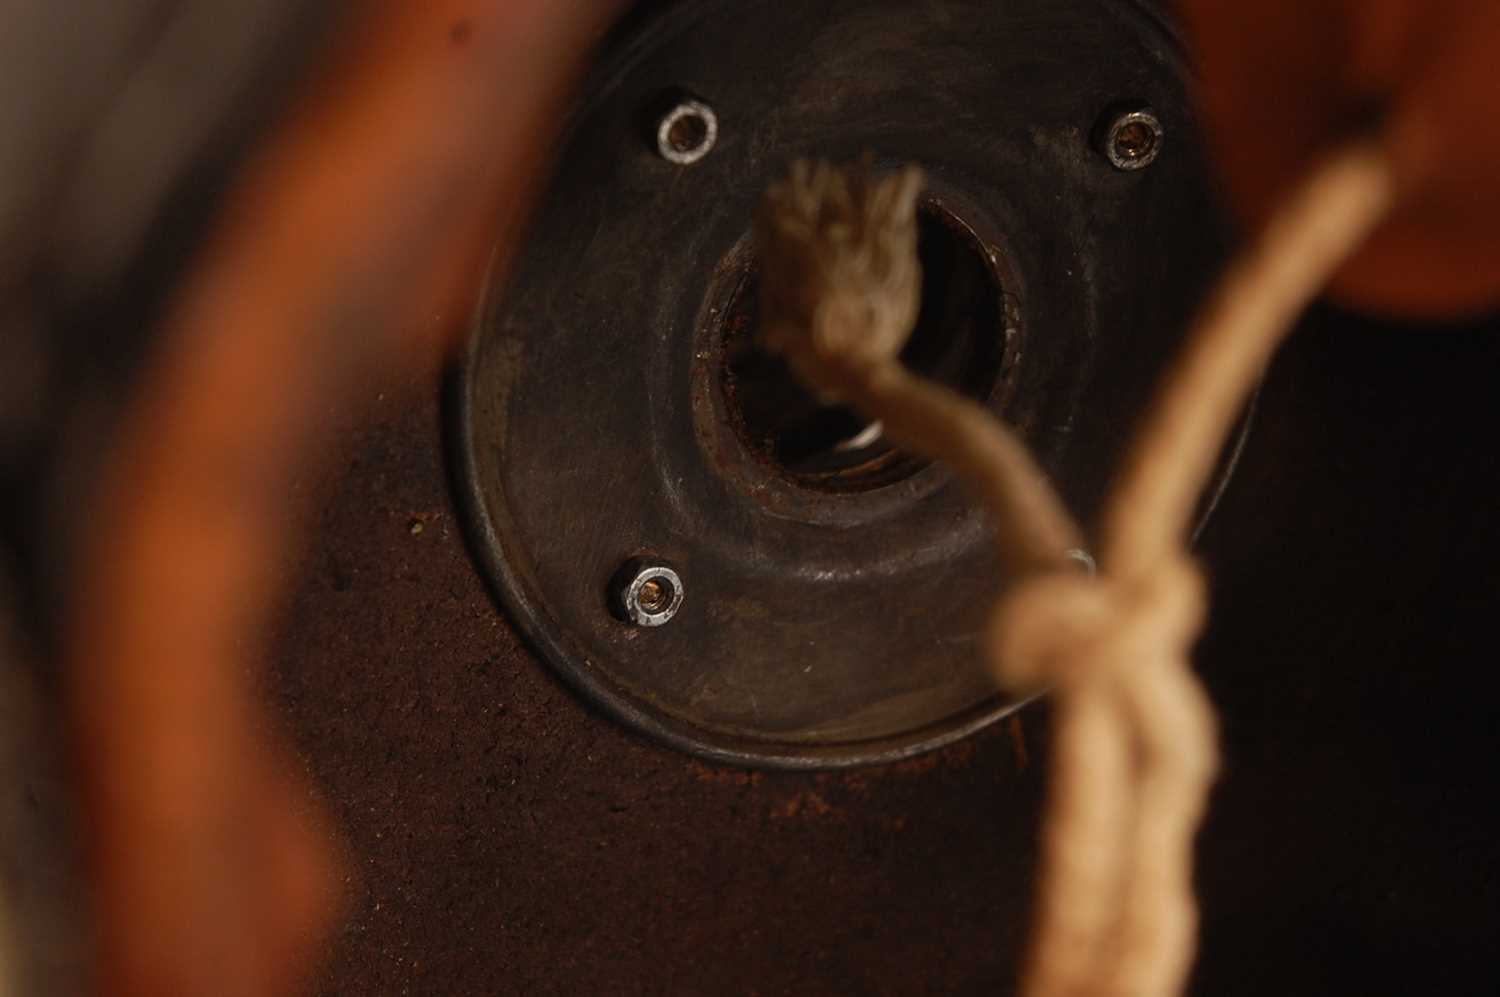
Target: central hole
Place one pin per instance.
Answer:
(688, 132)
(655, 595)
(1136, 140)
(959, 341)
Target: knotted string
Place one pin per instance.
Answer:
(1135, 740)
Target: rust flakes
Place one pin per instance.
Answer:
(723, 776)
(808, 804)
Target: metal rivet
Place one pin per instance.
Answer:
(1131, 139)
(687, 131)
(647, 592)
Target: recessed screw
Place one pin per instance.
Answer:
(647, 592)
(686, 130)
(1131, 139)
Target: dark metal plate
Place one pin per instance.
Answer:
(610, 405)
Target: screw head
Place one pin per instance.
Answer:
(647, 592)
(1132, 139)
(687, 132)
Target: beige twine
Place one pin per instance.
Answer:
(1135, 744)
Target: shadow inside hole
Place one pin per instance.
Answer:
(958, 341)
(687, 133)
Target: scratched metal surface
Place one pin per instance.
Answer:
(596, 421)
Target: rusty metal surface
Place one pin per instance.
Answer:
(832, 619)
(507, 839)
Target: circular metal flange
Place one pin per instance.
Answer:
(612, 401)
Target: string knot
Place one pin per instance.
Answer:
(840, 284)
(1067, 627)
